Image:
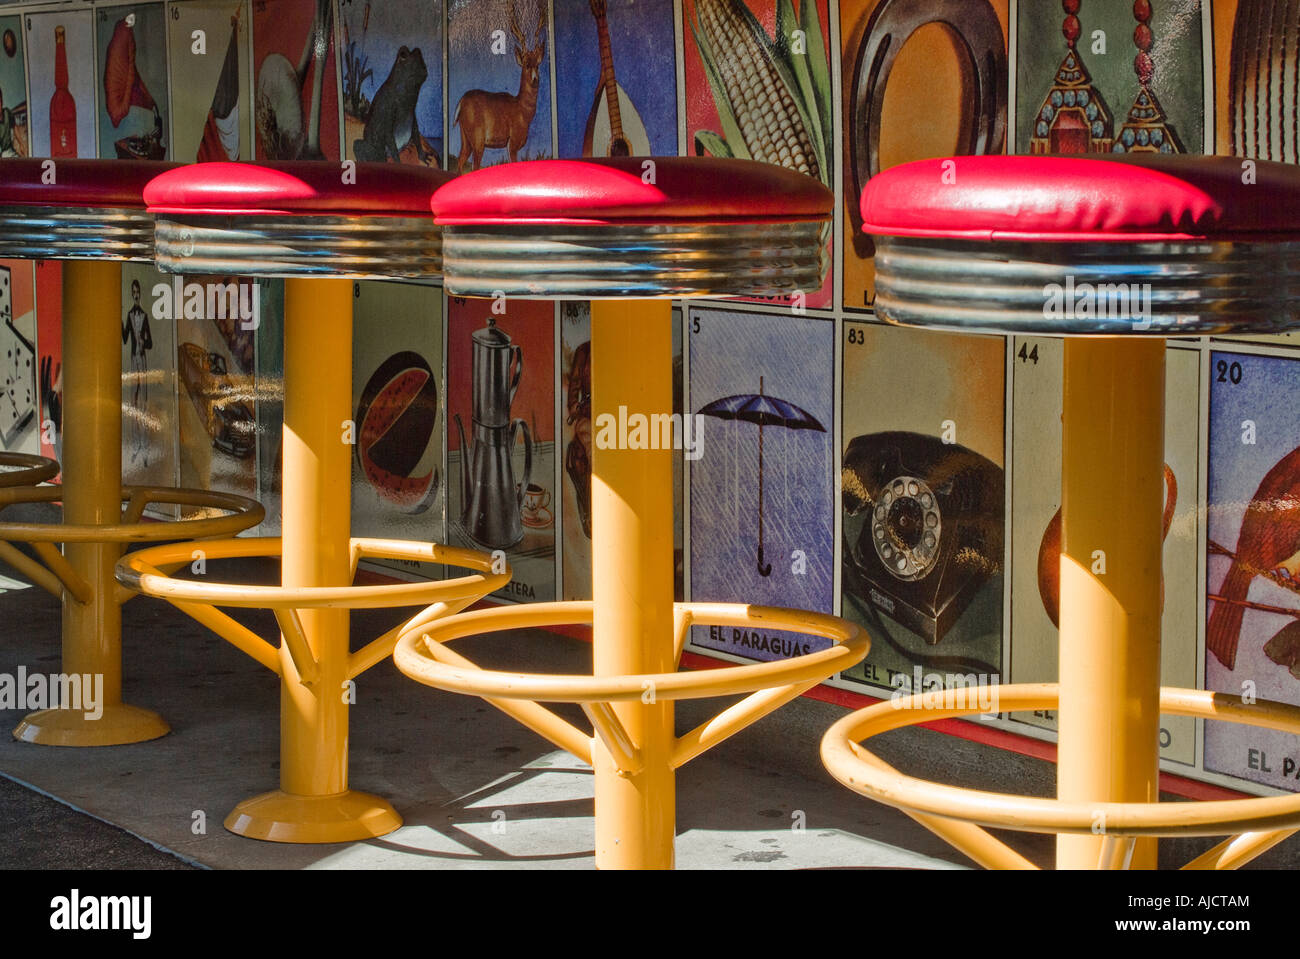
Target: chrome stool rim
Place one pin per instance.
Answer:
(586, 261)
(1170, 288)
(269, 245)
(75, 233)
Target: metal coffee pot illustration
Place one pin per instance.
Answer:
(491, 494)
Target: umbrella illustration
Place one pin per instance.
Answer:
(765, 411)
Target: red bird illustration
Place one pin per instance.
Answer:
(1270, 534)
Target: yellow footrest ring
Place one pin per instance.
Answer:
(242, 513)
(142, 571)
(849, 645)
(23, 469)
(870, 776)
(422, 654)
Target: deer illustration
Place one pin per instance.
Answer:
(496, 120)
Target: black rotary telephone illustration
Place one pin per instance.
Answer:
(923, 527)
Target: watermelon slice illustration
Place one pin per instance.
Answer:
(395, 425)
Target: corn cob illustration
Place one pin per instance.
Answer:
(765, 114)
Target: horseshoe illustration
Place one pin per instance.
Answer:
(984, 60)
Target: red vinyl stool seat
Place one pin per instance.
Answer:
(970, 243)
(297, 219)
(635, 227)
(318, 225)
(1130, 250)
(92, 214)
(643, 230)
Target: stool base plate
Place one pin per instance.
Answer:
(119, 725)
(279, 816)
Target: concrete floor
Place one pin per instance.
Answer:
(476, 789)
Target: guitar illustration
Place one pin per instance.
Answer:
(613, 126)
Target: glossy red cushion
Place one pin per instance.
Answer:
(1080, 198)
(301, 188)
(627, 190)
(94, 184)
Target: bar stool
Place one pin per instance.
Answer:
(630, 234)
(91, 214)
(319, 225)
(1126, 251)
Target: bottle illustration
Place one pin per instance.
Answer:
(63, 108)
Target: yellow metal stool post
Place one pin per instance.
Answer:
(92, 463)
(639, 231)
(632, 578)
(1114, 397)
(1115, 253)
(320, 226)
(317, 537)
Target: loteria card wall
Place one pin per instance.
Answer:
(765, 514)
